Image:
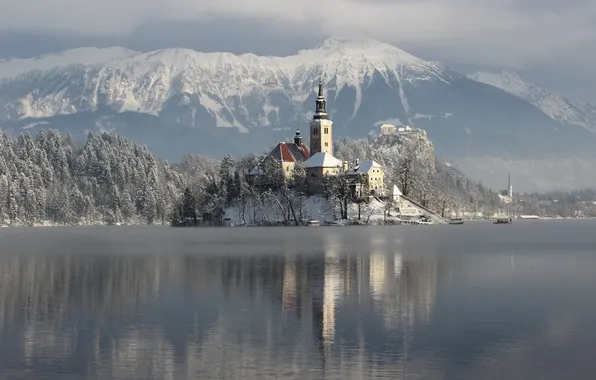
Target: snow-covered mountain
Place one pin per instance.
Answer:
(552, 104)
(222, 84)
(589, 109)
(155, 97)
(82, 56)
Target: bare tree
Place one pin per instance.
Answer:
(405, 176)
(337, 191)
(300, 188)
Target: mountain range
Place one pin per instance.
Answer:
(552, 104)
(178, 101)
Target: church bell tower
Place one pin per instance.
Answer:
(321, 127)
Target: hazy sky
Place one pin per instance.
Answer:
(552, 42)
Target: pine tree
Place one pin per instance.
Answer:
(29, 213)
(127, 206)
(12, 204)
(3, 198)
(189, 208)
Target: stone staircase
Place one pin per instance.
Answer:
(431, 215)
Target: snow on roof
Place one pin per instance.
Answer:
(364, 166)
(395, 191)
(322, 160)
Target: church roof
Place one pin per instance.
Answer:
(322, 160)
(289, 152)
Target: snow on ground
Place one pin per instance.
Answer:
(317, 208)
(269, 211)
(314, 208)
(372, 212)
(84, 223)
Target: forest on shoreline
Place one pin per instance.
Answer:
(111, 180)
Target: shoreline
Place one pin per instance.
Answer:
(322, 224)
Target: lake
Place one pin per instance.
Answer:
(476, 301)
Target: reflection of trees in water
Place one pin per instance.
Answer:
(52, 288)
(295, 300)
(56, 288)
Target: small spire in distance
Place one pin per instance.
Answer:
(320, 87)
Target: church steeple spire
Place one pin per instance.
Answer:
(321, 134)
(321, 104)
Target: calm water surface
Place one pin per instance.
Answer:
(478, 301)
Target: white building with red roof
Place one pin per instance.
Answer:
(287, 155)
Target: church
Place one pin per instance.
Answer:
(318, 159)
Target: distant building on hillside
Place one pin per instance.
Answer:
(388, 129)
(408, 129)
(506, 196)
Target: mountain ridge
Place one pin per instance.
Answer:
(556, 106)
(338, 62)
(348, 61)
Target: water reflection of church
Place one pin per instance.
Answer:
(332, 285)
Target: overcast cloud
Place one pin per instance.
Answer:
(518, 34)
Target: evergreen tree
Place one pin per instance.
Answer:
(189, 208)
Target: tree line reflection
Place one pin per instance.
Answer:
(217, 316)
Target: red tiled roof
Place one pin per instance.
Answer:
(289, 152)
(286, 155)
(304, 150)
